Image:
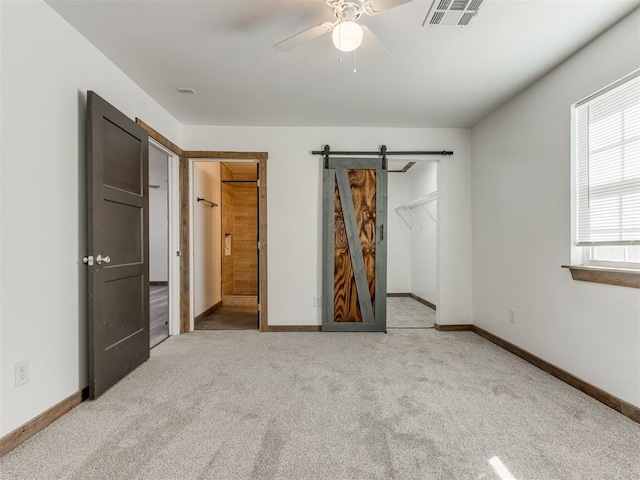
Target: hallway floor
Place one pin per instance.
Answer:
(231, 318)
(158, 314)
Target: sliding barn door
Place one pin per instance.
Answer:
(354, 245)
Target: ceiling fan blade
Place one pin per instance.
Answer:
(303, 37)
(371, 38)
(377, 6)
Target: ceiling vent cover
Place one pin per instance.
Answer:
(452, 12)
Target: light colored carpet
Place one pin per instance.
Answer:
(413, 404)
(405, 312)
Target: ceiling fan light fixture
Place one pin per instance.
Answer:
(347, 36)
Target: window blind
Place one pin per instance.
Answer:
(607, 155)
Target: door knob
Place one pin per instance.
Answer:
(100, 259)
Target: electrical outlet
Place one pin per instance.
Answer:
(512, 315)
(317, 301)
(22, 372)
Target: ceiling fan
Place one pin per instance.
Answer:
(347, 33)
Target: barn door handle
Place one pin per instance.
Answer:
(100, 259)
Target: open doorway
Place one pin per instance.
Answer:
(413, 244)
(158, 245)
(225, 245)
(163, 287)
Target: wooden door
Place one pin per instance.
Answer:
(118, 247)
(354, 245)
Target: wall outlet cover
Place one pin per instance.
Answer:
(22, 372)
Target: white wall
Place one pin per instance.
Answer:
(522, 227)
(295, 205)
(207, 227)
(424, 234)
(158, 216)
(47, 67)
(398, 235)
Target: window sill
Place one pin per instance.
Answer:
(625, 277)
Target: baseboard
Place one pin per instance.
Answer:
(207, 312)
(454, 328)
(29, 429)
(609, 400)
(159, 283)
(295, 328)
(415, 297)
(424, 302)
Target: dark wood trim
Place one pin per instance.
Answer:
(159, 283)
(609, 276)
(262, 158)
(226, 155)
(207, 312)
(454, 328)
(161, 139)
(609, 400)
(29, 429)
(262, 235)
(295, 328)
(415, 297)
(185, 272)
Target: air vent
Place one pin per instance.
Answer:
(437, 18)
(452, 12)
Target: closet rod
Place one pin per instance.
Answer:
(207, 201)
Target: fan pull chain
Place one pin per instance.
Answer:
(339, 45)
(355, 69)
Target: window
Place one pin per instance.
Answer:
(606, 143)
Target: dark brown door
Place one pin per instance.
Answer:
(354, 246)
(118, 250)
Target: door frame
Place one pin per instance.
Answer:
(184, 221)
(174, 238)
(187, 215)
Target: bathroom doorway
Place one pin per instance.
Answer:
(225, 239)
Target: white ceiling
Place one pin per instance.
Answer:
(435, 76)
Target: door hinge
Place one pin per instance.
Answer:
(258, 245)
(258, 183)
(88, 260)
(178, 254)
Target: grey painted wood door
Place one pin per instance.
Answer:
(118, 247)
(354, 245)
